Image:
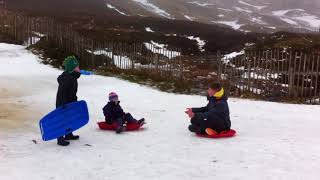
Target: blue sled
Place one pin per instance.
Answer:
(84, 72)
(64, 120)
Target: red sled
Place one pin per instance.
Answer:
(112, 127)
(223, 134)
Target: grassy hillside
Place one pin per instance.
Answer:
(304, 42)
(94, 19)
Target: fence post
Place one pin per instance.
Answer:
(157, 62)
(317, 77)
(288, 70)
(291, 81)
(181, 67)
(15, 28)
(310, 93)
(218, 58)
(249, 71)
(303, 75)
(92, 53)
(132, 55)
(113, 51)
(255, 74)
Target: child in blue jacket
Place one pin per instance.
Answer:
(213, 118)
(114, 113)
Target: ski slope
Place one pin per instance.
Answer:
(275, 141)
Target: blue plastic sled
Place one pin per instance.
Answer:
(87, 73)
(64, 120)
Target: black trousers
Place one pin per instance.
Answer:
(127, 118)
(216, 124)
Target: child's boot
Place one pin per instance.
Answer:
(120, 129)
(192, 128)
(141, 121)
(62, 142)
(211, 132)
(71, 137)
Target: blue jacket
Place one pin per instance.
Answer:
(215, 110)
(113, 111)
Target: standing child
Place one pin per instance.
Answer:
(114, 113)
(213, 118)
(67, 91)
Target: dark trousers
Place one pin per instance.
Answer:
(127, 118)
(199, 125)
(216, 124)
(62, 137)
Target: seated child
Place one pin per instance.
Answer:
(114, 114)
(213, 118)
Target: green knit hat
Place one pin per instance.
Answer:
(70, 63)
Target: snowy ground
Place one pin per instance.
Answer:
(275, 141)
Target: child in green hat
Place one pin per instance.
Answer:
(67, 91)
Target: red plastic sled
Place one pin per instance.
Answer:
(112, 127)
(223, 134)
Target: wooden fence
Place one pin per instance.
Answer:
(148, 56)
(276, 74)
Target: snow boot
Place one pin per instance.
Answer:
(71, 137)
(211, 132)
(192, 128)
(62, 142)
(141, 121)
(120, 129)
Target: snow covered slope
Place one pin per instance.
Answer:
(275, 141)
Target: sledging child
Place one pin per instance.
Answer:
(213, 118)
(114, 113)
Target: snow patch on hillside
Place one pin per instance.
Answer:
(122, 62)
(189, 17)
(254, 6)
(289, 21)
(232, 55)
(201, 43)
(114, 8)
(224, 9)
(284, 12)
(31, 40)
(35, 38)
(272, 27)
(243, 10)
(201, 3)
(233, 24)
(161, 49)
(258, 20)
(148, 29)
(312, 20)
(38, 34)
(153, 8)
(298, 17)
